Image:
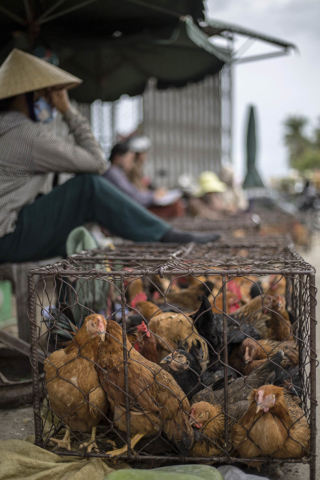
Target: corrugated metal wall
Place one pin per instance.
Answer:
(190, 127)
(185, 128)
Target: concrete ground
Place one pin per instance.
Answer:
(18, 423)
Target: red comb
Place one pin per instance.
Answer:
(234, 288)
(140, 297)
(143, 328)
(234, 307)
(156, 295)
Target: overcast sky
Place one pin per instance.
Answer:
(277, 87)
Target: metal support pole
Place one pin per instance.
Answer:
(34, 362)
(225, 346)
(313, 364)
(125, 359)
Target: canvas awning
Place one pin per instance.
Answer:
(115, 46)
(212, 27)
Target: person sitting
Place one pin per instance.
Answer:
(122, 161)
(140, 145)
(233, 198)
(35, 229)
(206, 201)
(157, 201)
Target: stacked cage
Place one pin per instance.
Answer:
(192, 353)
(279, 223)
(243, 225)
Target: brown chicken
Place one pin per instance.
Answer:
(188, 298)
(276, 285)
(157, 403)
(245, 287)
(72, 382)
(240, 389)
(172, 331)
(208, 422)
(135, 286)
(147, 343)
(217, 302)
(280, 324)
(258, 313)
(254, 310)
(273, 425)
(238, 393)
(252, 353)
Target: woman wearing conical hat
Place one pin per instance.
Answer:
(30, 229)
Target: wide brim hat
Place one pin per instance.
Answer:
(140, 144)
(22, 73)
(209, 182)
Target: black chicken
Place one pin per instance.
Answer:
(241, 388)
(186, 371)
(210, 327)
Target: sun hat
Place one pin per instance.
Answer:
(22, 73)
(140, 144)
(208, 182)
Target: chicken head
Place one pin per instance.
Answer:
(266, 397)
(200, 414)
(279, 303)
(250, 349)
(96, 325)
(178, 360)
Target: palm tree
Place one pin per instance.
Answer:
(295, 137)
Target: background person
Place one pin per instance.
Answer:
(233, 198)
(140, 145)
(122, 161)
(207, 201)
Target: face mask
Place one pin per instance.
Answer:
(43, 111)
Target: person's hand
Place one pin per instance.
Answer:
(60, 100)
(159, 193)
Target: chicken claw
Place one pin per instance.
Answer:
(91, 445)
(65, 442)
(121, 451)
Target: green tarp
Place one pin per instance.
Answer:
(116, 46)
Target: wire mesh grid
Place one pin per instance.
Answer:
(241, 225)
(176, 378)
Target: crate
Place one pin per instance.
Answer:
(239, 226)
(77, 285)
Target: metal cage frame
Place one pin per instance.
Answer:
(236, 259)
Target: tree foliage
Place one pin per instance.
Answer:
(304, 149)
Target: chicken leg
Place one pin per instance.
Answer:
(65, 442)
(121, 451)
(91, 445)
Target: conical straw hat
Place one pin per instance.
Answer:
(22, 73)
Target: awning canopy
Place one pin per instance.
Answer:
(115, 46)
(212, 27)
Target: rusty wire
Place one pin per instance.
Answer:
(73, 282)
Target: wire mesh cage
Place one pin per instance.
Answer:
(240, 226)
(279, 223)
(172, 353)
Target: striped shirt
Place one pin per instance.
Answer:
(29, 153)
(117, 176)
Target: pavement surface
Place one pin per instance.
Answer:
(18, 423)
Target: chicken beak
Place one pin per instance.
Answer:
(102, 336)
(191, 421)
(259, 407)
(166, 359)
